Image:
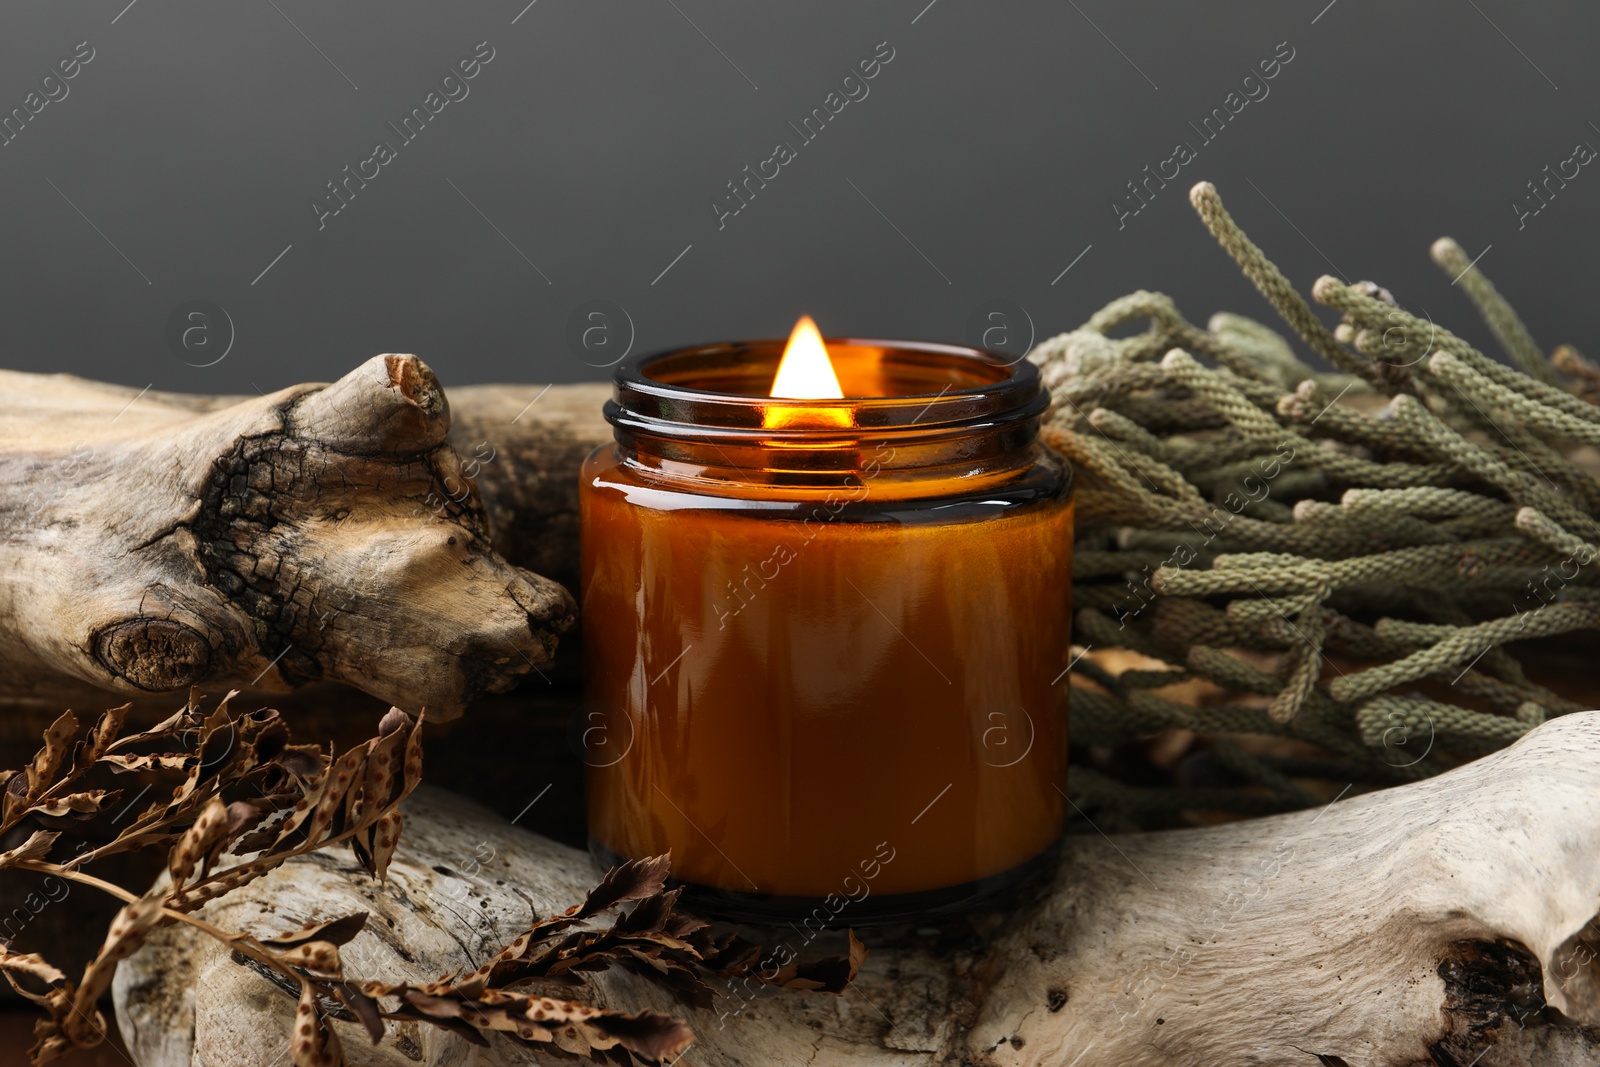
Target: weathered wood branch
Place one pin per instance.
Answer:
(538, 437)
(323, 533)
(1450, 921)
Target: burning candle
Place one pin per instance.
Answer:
(825, 626)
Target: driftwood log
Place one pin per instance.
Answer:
(1447, 922)
(353, 532)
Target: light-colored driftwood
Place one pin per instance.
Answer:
(1451, 921)
(323, 533)
(533, 439)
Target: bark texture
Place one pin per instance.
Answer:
(149, 542)
(1446, 922)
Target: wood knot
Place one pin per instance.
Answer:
(156, 655)
(416, 382)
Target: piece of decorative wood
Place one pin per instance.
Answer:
(151, 541)
(1450, 921)
(530, 441)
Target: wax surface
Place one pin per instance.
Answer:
(783, 704)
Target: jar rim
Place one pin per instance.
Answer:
(689, 392)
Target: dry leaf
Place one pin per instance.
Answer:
(76, 805)
(337, 931)
(385, 838)
(30, 975)
(363, 1007)
(207, 832)
(321, 957)
(127, 932)
(105, 731)
(36, 847)
(163, 761)
(163, 729)
(57, 742)
(313, 1043)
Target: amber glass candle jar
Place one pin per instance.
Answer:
(825, 641)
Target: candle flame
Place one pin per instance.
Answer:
(805, 370)
(806, 373)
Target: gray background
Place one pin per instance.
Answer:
(980, 166)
